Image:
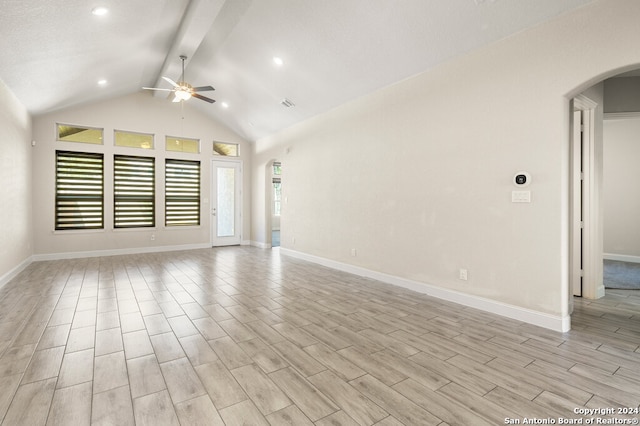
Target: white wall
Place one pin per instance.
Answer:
(417, 177)
(622, 95)
(621, 195)
(138, 113)
(15, 190)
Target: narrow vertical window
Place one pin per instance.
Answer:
(133, 191)
(277, 188)
(79, 190)
(277, 196)
(182, 193)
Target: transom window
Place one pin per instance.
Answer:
(177, 144)
(133, 139)
(71, 133)
(225, 149)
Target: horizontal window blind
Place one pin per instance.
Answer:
(133, 191)
(182, 193)
(79, 190)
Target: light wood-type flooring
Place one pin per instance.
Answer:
(245, 336)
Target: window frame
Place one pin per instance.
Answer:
(182, 186)
(139, 183)
(77, 126)
(181, 139)
(74, 179)
(222, 154)
(127, 132)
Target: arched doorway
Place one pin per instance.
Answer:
(588, 210)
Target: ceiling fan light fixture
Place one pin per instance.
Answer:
(182, 95)
(182, 90)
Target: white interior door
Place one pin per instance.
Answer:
(577, 220)
(587, 201)
(226, 185)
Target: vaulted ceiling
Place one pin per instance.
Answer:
(332, 51)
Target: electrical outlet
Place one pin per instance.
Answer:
(463, 275)
(354, 253)
(153, 237)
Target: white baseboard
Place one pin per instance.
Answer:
(117, 252)
(621, 257)
(260, 245)
(541, 319)
(15, 271)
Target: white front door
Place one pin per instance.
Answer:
(226, 184)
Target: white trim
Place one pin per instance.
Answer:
(15, 271)
(260, 245)
(78, 231)
(581, 102)
(541, 319)
(591, 247)
(621, 257)
(117, 252)
(621, 115)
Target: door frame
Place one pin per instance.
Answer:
(216, 241)
(585, 199)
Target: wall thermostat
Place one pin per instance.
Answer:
(522, 179)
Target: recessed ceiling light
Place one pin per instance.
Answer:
(102, 82)
(100, 11)
(224, 105)
(278, 61)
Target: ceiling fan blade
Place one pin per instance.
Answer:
(204, 98)
(173, 83)
(203, 88)
(155, 88)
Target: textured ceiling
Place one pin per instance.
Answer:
(54, 52)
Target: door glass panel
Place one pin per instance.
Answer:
(226, 202)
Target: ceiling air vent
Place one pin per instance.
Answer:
(287, 103)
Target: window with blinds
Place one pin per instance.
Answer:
(79, 190)
(182, 193)
(133, 191)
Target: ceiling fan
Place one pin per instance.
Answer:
(183, 90)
